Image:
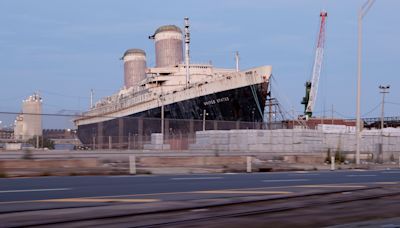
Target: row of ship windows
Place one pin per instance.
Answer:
(199, 67)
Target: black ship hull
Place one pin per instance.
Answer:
(231, 109)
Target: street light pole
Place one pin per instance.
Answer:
(384, 90)
(361, 13)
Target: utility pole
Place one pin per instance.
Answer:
(187, 52)
(91, 98)
(361, 13)
(162, 119)
(252, 113)
(270, 113)
(293, 117)
(269, 94)
(204, 119)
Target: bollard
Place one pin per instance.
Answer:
(332, 163)
(109, 142)
(248, 167)
(132, 164)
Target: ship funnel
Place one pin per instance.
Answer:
(134, 66)
(168, 45)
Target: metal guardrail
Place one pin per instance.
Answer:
(393, 121)
(390, 121)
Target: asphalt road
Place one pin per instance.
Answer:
(28, 198)
(168, 187)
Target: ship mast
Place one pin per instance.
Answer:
(237, 61)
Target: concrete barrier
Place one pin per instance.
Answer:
(63, 167)
(13, 146)
(46, 164)
(301, 141)
(183, 161)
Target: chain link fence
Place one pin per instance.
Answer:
(141, 133)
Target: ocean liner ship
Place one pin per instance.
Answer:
(174, 89)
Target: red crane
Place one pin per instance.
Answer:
(312, 85)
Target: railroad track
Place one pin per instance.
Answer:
(207, 212)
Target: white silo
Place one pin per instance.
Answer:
(168, 42)
(134, 66)
(18, 126)
(32, 119)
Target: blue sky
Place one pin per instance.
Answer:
(63, 48)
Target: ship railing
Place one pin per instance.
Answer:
(113, 107)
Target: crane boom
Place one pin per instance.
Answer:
(312, 86)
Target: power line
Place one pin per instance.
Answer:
(43, 114)
(373, 109)
(393, 103)
(62, 95)
(342, 115)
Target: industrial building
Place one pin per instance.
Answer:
(29, 123)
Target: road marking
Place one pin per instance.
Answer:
(132, 195)
(390, 172)
(361, 175)
(242, 192)
(304, 174)
(199, 210)
(197, 178)
(331, 186)
(35, 190)
(99, 200)
(127, 176)
(122, 176)
(386, 183)
(286, 180)
(191, 192)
